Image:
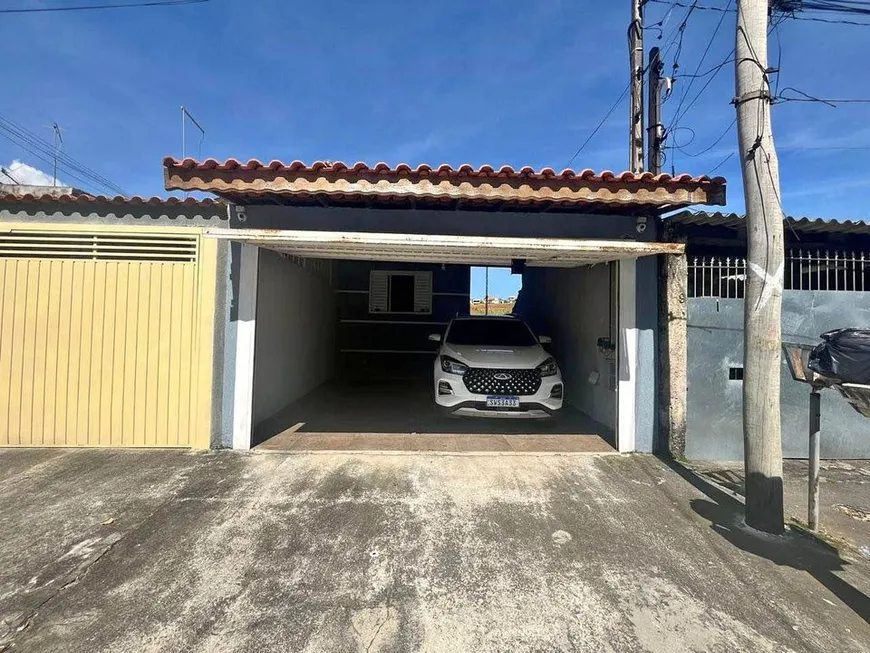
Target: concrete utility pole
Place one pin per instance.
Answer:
(764, 280)
(635, 38)
(654, 129)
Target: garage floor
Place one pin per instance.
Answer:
(396, 416)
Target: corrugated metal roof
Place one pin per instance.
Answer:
(737, 222)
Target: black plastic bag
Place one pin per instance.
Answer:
(844, 356)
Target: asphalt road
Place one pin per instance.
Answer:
(178, 551)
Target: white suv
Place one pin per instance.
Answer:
(495, 367)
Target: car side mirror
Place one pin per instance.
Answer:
(545, 340)
(435, 337)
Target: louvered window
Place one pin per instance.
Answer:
(400, 292)
(80, 245)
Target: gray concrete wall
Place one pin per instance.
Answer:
(573, 306)
(715, 344)
(295, 334)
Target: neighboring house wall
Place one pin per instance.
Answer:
(160, 214)
(575, 308)
(295, 334)
(369, 343)
(715, 346)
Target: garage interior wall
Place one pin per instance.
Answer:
(386, 344)
(295, 334)
(574, 308)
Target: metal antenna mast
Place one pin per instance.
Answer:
(185, 115)
(58, 146)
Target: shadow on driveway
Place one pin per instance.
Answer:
(800, 550)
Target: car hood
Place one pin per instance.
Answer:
(503, 357)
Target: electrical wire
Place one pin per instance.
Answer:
(793, 14)
(48, 153)
(152, 3)
(5, 172)
(712, 145)
(810, 98)
(86, 185)
(701, 62)
(609, 113)
(598, 127)
(720, 164)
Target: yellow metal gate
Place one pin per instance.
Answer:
(105, 336)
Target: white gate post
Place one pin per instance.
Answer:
(626, 361)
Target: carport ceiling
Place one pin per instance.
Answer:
(469, 250)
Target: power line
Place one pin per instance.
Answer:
(701, 62)
(712, 145)
(720, 164)
(791, 14)
(810, 98)
(85, 184)
(5, 172)
(598, 127)
(152, 3)
(47, 152)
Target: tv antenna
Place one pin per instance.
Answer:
(5, 172)
(58, 146)
(185, 116)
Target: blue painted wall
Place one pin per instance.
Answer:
(360, 330)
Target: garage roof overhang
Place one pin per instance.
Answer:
(468, 250)
(462, 188)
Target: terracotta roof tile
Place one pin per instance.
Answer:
(84, 198)
(443, 170)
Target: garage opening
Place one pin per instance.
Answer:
(344, 354)
(494, 290)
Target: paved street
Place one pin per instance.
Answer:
(129, 551)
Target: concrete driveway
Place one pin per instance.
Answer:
(179, 551)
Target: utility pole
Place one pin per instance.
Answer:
(654, 129)
(762, 330)
(635, 38)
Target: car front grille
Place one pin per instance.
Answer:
(485, 382)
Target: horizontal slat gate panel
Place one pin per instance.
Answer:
(97, 352)
(97, 246)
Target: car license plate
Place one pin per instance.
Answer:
(500, 401)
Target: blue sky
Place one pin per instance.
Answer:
(502, 283)
(519, 83)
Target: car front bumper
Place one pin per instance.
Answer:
(465, 403)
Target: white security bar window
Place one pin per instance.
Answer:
(400, 292)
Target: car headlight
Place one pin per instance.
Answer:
(548, 367)
(453, 366)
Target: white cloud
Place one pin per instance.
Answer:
(28, 175)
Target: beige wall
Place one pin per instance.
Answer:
(295, 334)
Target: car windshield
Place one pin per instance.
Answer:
(490, 333)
